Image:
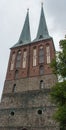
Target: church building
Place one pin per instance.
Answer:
(25, 102)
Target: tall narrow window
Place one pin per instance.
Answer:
(41, 54)
(34, 56)
(18, 59)
(41, 70)
(24, 129)
(48, 54)
(13, 89)
(12, 61)
(16, 74)
(41, 84)
(24, 59)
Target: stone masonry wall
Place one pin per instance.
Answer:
(25, 108)
(27, 84)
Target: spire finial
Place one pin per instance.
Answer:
(25, 34)
(42, 29)
(27, 9)
(42, 4)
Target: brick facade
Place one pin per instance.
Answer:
(31, 71)
(28, 106)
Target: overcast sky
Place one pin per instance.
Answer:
(12, 17)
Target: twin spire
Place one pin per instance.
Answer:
(42, 29)
(42, 33)
(25, 34)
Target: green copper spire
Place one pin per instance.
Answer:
(42, 29)
(25, 36)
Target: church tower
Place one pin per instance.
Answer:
(25, 103)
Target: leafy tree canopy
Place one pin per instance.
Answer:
(58, 93)
(59, 63)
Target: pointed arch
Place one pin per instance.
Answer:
(48, 54)
(24, 58)
(34, 56)
(18, 59)
(41, 69)
(13, 89)
(16, 74)
(12, 61)
(41, 84)
(41, 54)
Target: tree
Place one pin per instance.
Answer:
(58, 92)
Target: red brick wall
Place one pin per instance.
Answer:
(30, 71)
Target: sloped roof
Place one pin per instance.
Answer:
(25, 36)
(42, 29)
(42, 33)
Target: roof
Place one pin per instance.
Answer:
(42, 33)
(42, 29)
(25, 36)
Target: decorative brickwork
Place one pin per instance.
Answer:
(30, 70)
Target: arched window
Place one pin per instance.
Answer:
(24, 129)
(41, 84)
(12, 61)
(34, 56)
(48, 54)
(13, 89)
(41, 70)
(16, 74)
(41, 54)
(24, 58)
(18, 59)
(12, 113)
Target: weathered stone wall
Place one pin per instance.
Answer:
(27, 84)
(26, 99)
(25, 107)
(25, 104)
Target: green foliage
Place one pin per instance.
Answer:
(60, 115)
(62, 57)
(59, 63)
(58, 92)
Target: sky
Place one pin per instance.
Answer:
(12, 17)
